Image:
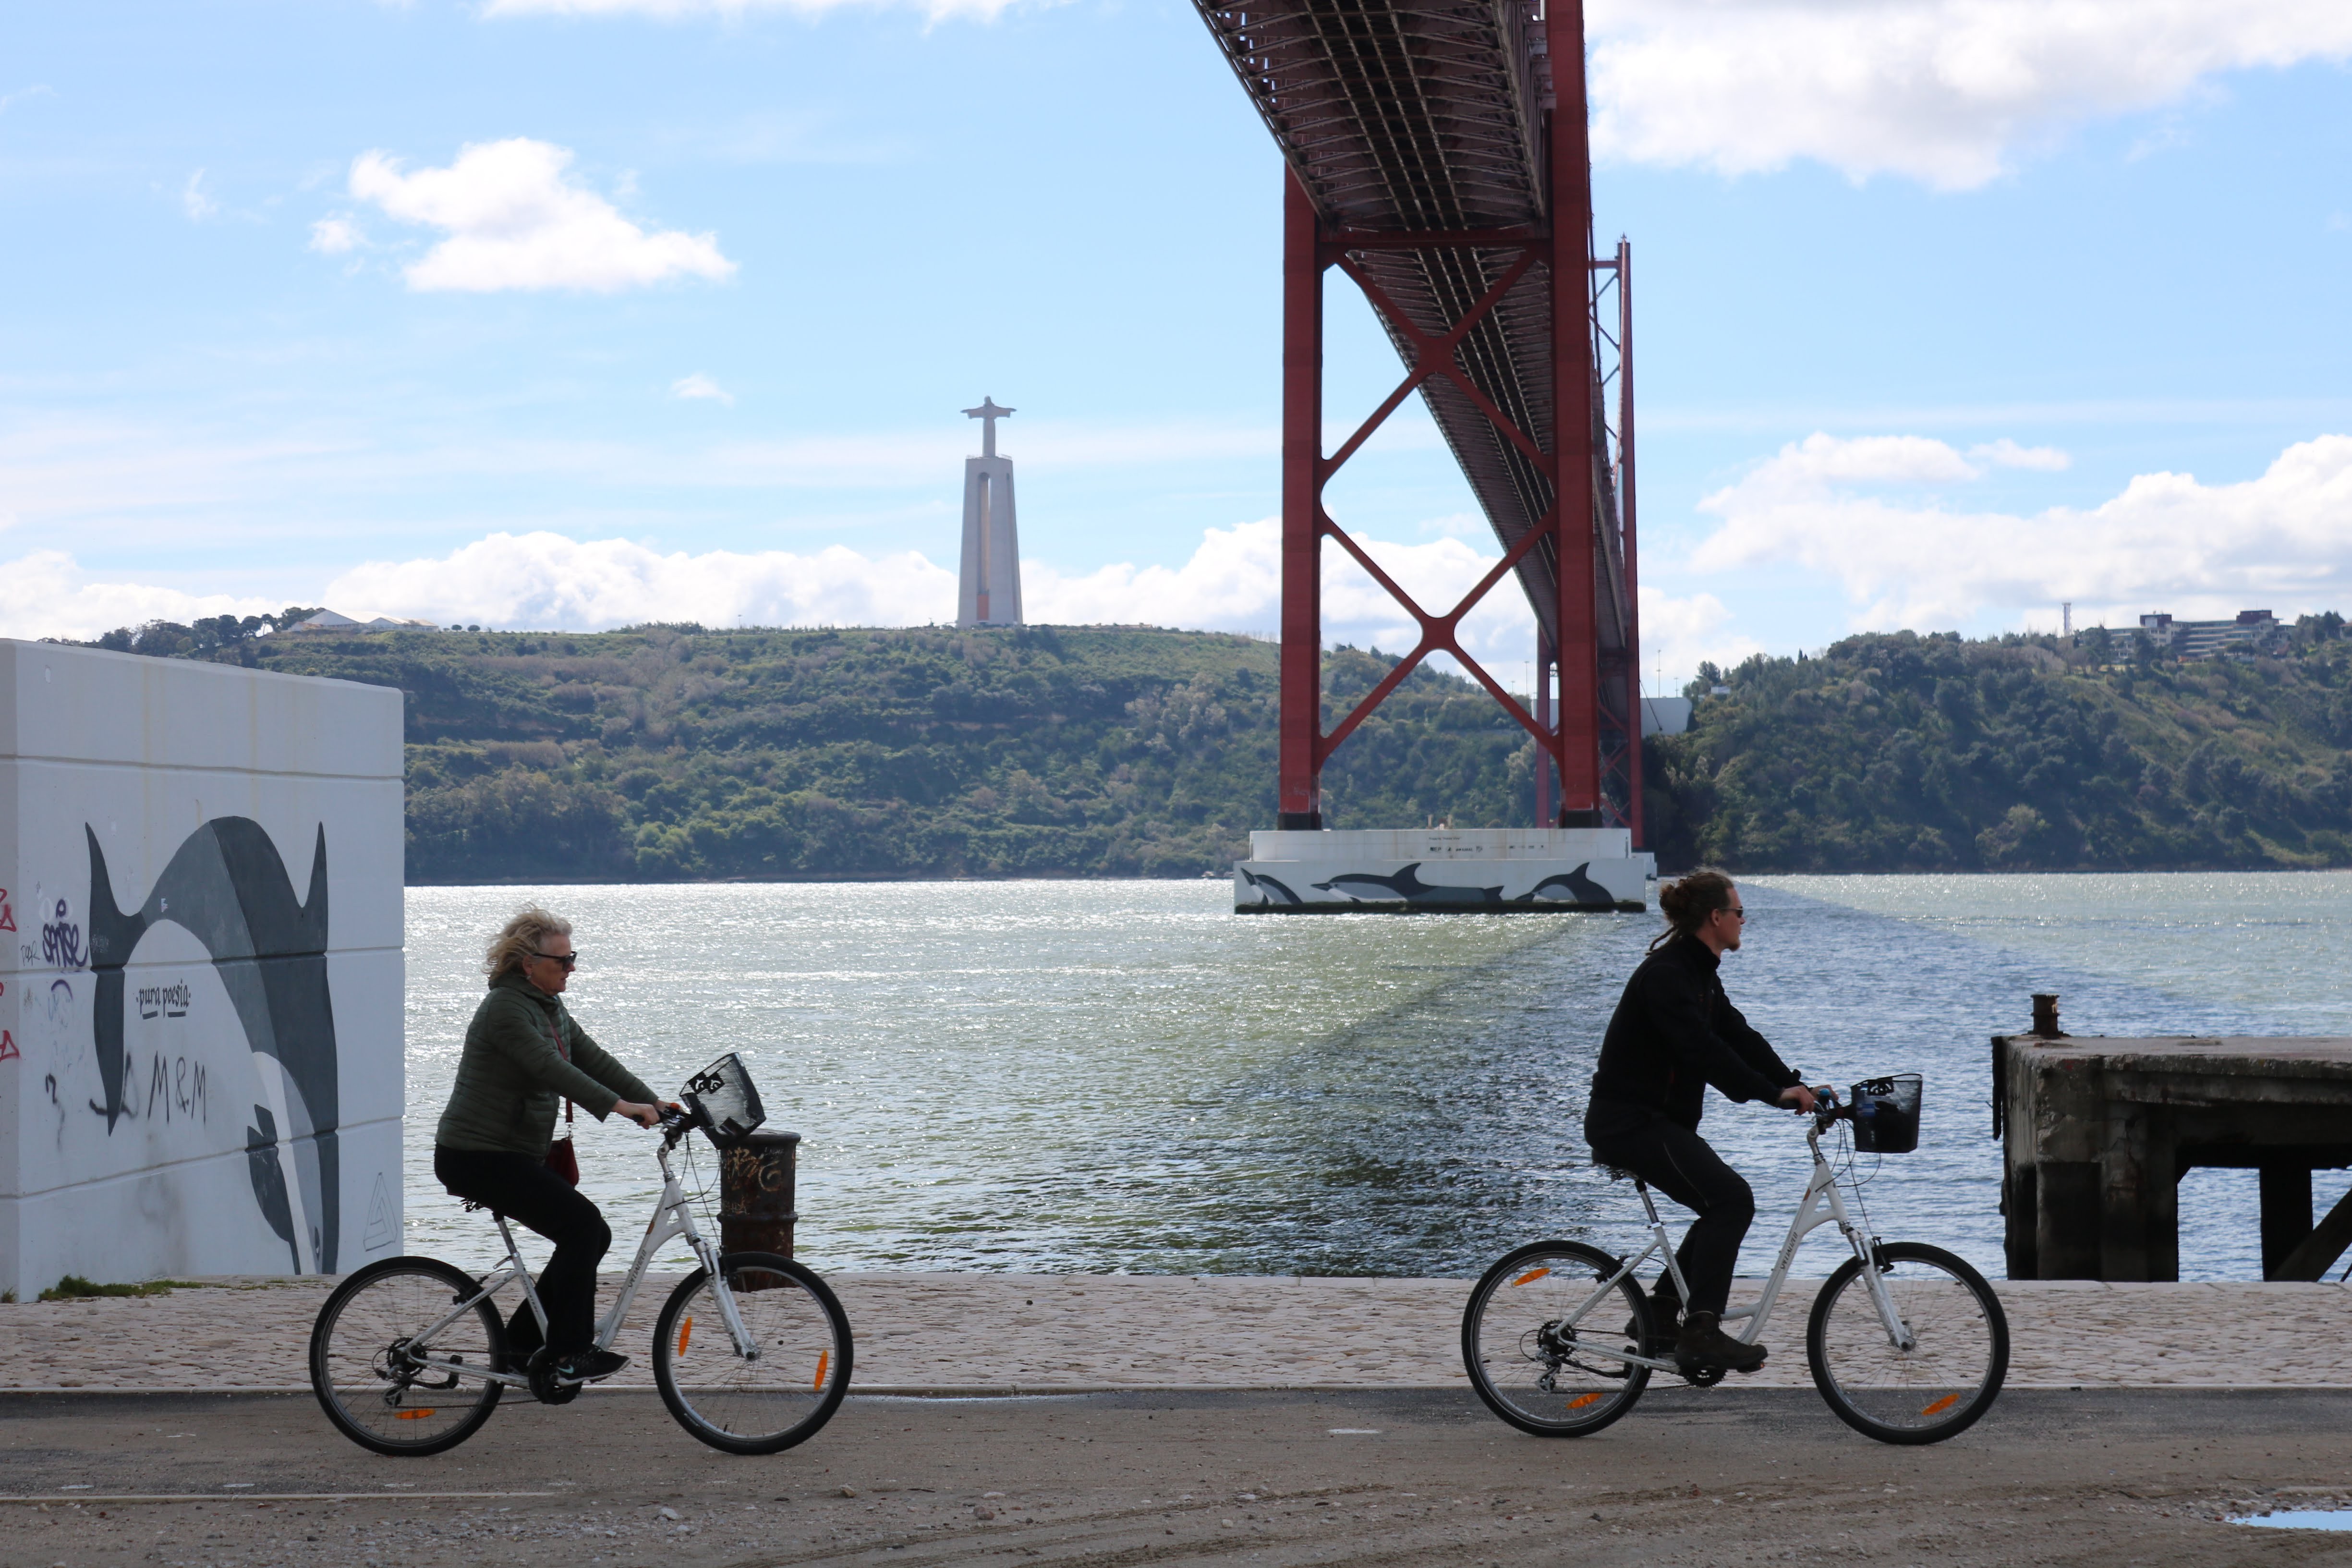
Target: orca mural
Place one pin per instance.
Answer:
(227, 886)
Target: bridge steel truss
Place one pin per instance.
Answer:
(1437, 158)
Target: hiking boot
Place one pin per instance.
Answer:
(587, 1366)
(1702, 1344)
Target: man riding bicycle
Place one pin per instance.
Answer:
(1674, 1033)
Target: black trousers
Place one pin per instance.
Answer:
(527, 1192)
(1679, 1164)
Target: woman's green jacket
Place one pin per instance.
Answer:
(511, 1079)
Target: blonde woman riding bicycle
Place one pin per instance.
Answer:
(524, 1056)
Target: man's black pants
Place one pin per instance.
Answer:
(1679, 1164)
(527, 1192)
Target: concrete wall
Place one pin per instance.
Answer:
(200, 969)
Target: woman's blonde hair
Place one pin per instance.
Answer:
(517, 940)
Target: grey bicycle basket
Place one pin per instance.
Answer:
(725, 1101)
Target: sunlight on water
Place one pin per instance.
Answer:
(1125, 1076)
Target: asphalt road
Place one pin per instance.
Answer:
(1728, 1476)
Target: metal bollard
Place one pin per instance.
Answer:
(755, 1194)
(2045, 1017)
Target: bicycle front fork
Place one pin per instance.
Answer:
(1873, 1273)
(745, 1346)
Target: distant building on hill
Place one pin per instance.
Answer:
(328, 621)
(2254, 631)
(989, 594)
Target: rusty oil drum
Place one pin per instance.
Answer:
(755, 1194)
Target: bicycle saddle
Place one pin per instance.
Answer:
(1618, 1173)
(476, 1205)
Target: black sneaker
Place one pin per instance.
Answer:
(587, 1366)
(1702, 1344)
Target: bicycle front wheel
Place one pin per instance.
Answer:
(791, 1383)
(1545, 1335)
(1958, 1359)
(386, 1376)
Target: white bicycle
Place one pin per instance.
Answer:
(1907, 1343)
(409, 1355)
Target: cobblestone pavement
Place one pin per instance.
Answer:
(1418, 1478)
(979, 1332)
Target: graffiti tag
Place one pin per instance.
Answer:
(179, 1084)
(62, 942)
(163, 1001)
(7, 915)
(8, 1051)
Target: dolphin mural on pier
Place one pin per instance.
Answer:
(227, 886)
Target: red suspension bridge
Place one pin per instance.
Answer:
(1437, 156)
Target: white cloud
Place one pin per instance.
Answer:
(1234, 583)
(1946, 91)
(2166, 542)
(516, 221)
(1678, 635)
(547, 581)
(700, 385)
(44, 595)
(1231, 581)
(194, 202)
(335, 235)
(2007, 454)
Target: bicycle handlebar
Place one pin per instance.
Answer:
(677, 1121)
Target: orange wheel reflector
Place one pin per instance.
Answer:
(412, 1414)
(824, 1360)
(1530, 1276)
(685, 1333)
(1941, 1405)
(1581, 1400)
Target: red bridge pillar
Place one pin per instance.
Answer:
(1592, 745)
(1301, 767)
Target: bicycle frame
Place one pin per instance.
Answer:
(672, 1217)
(1823, 1203)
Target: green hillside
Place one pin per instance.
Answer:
(1894, 752)
(667, 752)
(675, 753)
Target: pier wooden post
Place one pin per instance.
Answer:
(2287, 1212)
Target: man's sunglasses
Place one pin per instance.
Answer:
(571, 960)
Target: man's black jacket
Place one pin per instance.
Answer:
(1674, 1032)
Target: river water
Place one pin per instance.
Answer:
(1126, 1076)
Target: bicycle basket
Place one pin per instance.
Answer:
(722, 1098)
(1887, 1114)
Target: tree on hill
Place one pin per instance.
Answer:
(1899, 752)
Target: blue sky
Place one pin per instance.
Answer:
(579, 312)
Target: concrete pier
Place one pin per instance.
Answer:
(1414, 870)
(2098, 1133)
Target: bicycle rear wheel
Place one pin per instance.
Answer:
(1544, 1336)
(800, 1335)
(1936, 1389)
(369, 1369)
